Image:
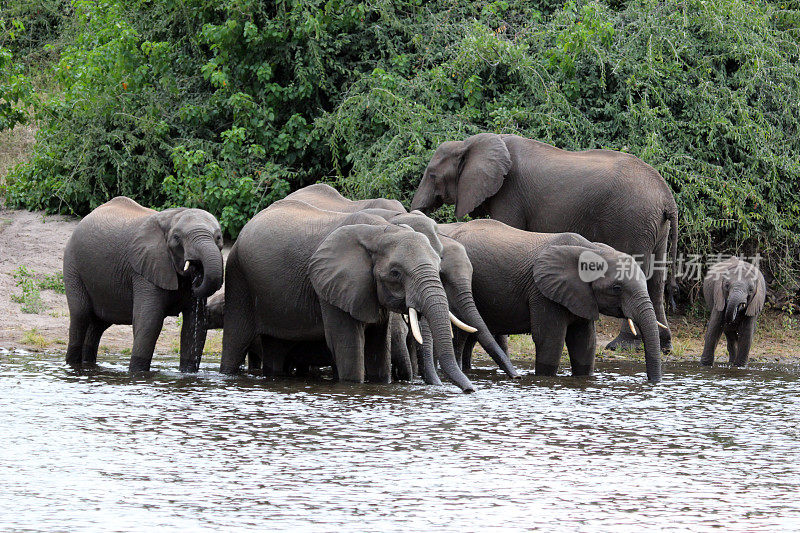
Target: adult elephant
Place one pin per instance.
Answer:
(301, 274)
(456, 270)
(553, 286)
(605, 196)
(126, 264)
(301, 356)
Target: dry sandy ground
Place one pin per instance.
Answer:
(37, 242)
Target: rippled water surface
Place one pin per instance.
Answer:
(101, 450)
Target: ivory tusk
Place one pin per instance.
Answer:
(662, 325)
(186, 266)
(414, 322)
(633, 329)
(452, 335)
(405, 319)
(461, 325)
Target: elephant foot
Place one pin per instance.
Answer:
(625, 341)
(544, 369)
(582, 370)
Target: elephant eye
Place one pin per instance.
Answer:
(394, 273)
(616, 288)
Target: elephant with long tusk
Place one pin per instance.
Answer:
(456, 270)
(301, 274)
(554, 286)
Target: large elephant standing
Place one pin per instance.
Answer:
(300, 274)
(126, 264)
(456, 270)
(605, 196)
(531, 282)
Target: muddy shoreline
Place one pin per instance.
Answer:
(36, 242)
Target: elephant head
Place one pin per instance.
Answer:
(465, 173)
(363, 268)
(593, 278)
(456, 275)
(734, 286)
(180, 242)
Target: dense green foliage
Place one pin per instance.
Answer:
(228, 105)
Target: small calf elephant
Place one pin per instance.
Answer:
(127, 264)
(734, 290)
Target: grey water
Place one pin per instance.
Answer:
(100, 450)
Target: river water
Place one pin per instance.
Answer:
(101, 450)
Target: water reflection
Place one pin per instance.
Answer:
(707, 447)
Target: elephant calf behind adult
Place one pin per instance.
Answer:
(605, 196)
(126, 264)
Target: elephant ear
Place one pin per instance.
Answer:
(149, 253)
(556, 275)
(483, 168)
(715, 298)
(341, 272)
(757, 302)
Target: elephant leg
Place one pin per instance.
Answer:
(78, 326)
(193, 335)
(466, 356)
(502, 341)
(655, 288)
(411, 346)
(148, 319)
(80, 317)
(239, 328)
(402, 367)
(377, 353)
(548, 331)
(744, 340)
(345, 338)
(272, 354)
(732, 338)
(713, 333)
(581, 341)
(459, 341)
(91, 342)
(255, 355)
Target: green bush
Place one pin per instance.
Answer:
(229, 105)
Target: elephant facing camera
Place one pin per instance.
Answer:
(735, 292)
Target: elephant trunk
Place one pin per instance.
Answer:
(427, 365)
(206, 252)
(468, 311)
(640, 309)
(735, 304)
(434, 307)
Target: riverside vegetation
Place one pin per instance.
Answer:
(229, 105)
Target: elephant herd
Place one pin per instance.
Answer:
(381, 293)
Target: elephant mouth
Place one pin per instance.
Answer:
(193, 269)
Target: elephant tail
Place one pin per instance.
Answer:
(672, 289)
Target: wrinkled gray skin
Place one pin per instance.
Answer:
(605, 196)
(124, 264)
(735, 291)
(301, 356)
(525, 282)
(301, 274)
(456, 270)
